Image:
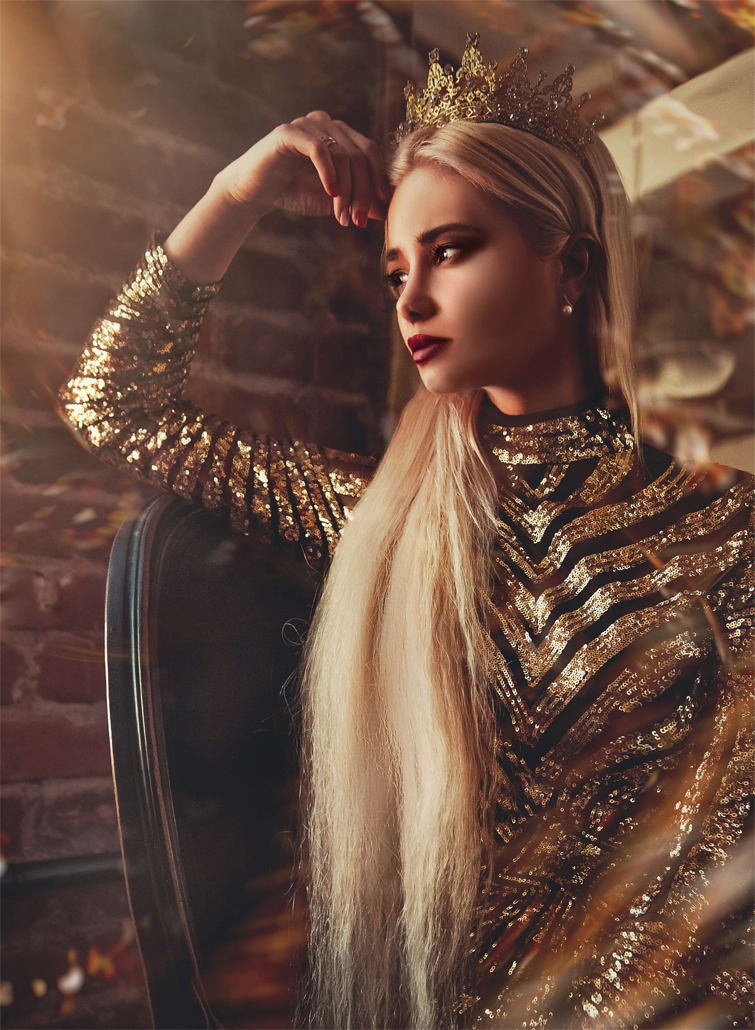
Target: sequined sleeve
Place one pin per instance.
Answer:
(733, 603)
(124, 400)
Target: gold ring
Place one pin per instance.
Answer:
(328, 140)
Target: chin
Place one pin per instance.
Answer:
(439, 380)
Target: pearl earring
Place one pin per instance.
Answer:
(566, 308)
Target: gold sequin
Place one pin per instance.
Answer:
(124, 397)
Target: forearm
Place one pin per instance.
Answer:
(205, 241)
(137, 355)
(124, 399)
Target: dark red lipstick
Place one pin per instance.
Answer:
(423, 346)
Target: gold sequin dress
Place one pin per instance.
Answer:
(621, 640)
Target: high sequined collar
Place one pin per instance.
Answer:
(590, 428)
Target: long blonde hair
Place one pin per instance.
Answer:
(398, 768)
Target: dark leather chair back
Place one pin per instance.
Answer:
(200, 708)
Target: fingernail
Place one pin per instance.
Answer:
(361, 219)
(344, 219)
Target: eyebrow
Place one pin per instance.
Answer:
(432, 234)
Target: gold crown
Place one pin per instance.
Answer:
(477, 93)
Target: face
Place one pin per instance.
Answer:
(476, 306)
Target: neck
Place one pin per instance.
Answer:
(562, 380)
(590, 428)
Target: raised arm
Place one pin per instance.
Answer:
(124, 395)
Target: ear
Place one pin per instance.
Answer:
(577, 260)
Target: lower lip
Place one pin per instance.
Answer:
(426, 353)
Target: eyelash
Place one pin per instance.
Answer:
(393, 278)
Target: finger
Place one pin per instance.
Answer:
(343, 169)
(323, 162)
(355, 186)
(308, 145)
(362, 186)
(362, 191)
(321, 126)
(374, 155)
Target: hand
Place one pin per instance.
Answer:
(297, 168)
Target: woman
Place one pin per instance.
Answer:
(525, 696)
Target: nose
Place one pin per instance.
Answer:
(415, 303)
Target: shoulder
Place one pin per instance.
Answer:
(711, 518)
(349, 474)
(718, 497)
(707, 480)
(732, 597)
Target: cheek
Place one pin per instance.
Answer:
(492, 295)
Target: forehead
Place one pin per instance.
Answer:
(428, 197)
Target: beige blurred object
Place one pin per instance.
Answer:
(694, 369)
(709, 116)
(653, 25)
(737, 452)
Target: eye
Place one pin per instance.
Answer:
(445, 251)
(395, 280)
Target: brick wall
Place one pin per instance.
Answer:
(115, 117)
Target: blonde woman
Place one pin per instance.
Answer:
(526, 694)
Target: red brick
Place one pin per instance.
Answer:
(268, 281)
(30, 599)
(35, 524)
(91, 237)
(178, 180)
(82, 602)
(276, 415)
(118, 155)
(54, 456)
(12, 664)
(75, 820)
(30, 378)
(295, 83)
(12, 812)
(280, 83)
(241, 342)
(351, 361)
(39, 928)
(51, 301)
(108, 153)
(185, 101)
(343, 426)
(44, 455)
(180, 29)
(43, 599)
(71, 668)
(38, 748)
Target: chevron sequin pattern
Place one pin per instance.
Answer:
(620, 643)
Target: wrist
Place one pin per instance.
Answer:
(205, 241)
(222, 193)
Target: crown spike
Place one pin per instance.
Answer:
(478, 93)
